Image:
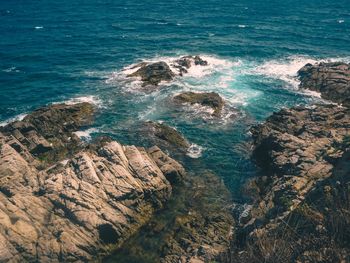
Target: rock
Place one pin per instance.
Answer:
(209, 99)
(172, 170)
(48, 132)
(168, 135)
(152, 74)
(194, 229)
(80, 209)
(332, 80)
(184, 63)
(302, 151)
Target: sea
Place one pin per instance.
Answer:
(82, 51)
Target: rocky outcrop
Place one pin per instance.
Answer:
(86, 201)
(48, 133)
(197, 228)
(186, 62)
(301, 151)
(332, 80)
(207, 99)
(153, 73)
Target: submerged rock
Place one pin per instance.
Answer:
(198, 227)
(332, 80)
(208, 99)
(152, 74)
(168, 134)
(87, 202)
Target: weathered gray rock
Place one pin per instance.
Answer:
(300, 150)
(332, 80)
(172, 170)
(85, 204)
(209, 99)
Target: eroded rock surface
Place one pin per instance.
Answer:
(332, 80)
(302, 151)
(208, 99)
(82, 204)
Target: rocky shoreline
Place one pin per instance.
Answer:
(65, 200)
(299, 203)
(62, 200)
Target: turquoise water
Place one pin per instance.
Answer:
(55, 51)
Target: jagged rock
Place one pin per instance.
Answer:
(48, 132)
(184, 63)
(154, 73)
(300, 150)
(332, 80)
(84, 207)
(172, 170)
(209, 99)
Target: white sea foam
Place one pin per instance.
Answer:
(287, 69)
(39, 27)
(86, 134)
(11, 69)
(194, 151)
(196, 71)
(16, 118)
(242, 26)
(340, 21)
(89, 99)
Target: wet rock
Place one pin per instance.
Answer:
(168, 135)
(184, 63)
(197, 228)
(152, 74)
(81, 208)
(208, 99)
(332, 80)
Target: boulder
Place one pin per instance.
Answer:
(208, 99)
(332, 80)
(152, 74)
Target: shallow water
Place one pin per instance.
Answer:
(54, 51)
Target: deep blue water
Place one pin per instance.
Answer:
(53, 51)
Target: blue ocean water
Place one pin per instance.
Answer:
(55, 51)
